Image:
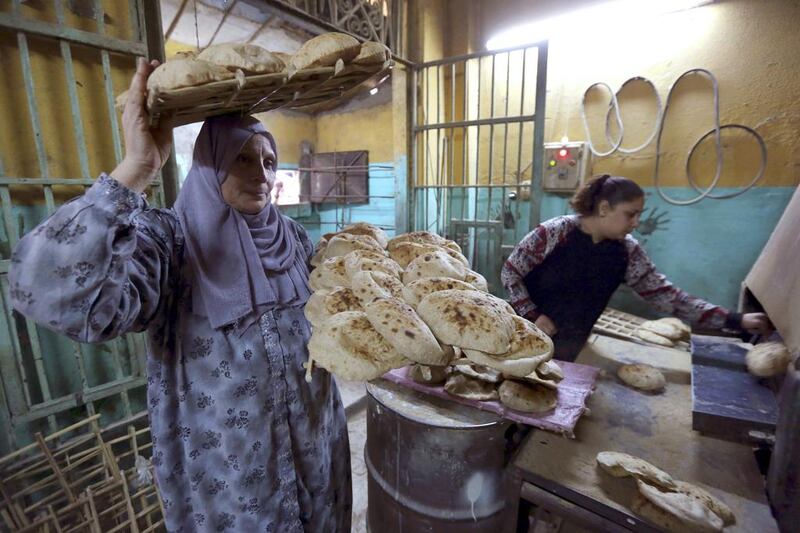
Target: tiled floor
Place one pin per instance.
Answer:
(353, 398)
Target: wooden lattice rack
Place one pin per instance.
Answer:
(624, 325)
(260, 93)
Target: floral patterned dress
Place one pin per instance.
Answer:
(241, 441)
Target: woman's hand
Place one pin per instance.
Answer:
(757, 324)
(146, 149)
(545, 324)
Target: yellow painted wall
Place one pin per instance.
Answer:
(368, 128)
(17, 146)
(751, 47)
(289, 130)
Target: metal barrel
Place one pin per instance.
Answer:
(433, 465)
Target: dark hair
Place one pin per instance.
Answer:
(613, 189)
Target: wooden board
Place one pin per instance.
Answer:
(775, 278)
(654, 427)
(624, 325)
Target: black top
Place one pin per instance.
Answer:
(573, 285)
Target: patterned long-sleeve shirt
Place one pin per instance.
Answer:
(640, 274)
(241, 442)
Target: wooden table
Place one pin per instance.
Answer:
(561, 475)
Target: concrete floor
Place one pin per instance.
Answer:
(354, 400)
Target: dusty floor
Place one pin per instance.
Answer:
(354, 400)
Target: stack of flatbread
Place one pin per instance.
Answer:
(664, 331)
(226, 61)
(668, 503)
(418, 293)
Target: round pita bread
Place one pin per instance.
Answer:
(527, 398)
(324, 51)
(405, 252)
(250, 58)
(363, 228)
(477, 281)
(408, 334)
(663, 328)
(641, 376)
(550, 370)
(469, 388)
(685, 329)
(483, 373)
(368, 260)
(466, 319)
(372, 53)
(768, 359)
(620, 464)
(429, 375)
(329, 275)
(415, 291)
(717, 506)
(322, 305)
(422, 237)
(654, 338)
(528, 348)
(344, 243)
(370, 285)
(348, 346)
(437, 264)
(178, 73)
(691, 512)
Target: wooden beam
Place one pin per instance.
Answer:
(175, 20)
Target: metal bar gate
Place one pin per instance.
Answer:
(47, 380)
(477, 150)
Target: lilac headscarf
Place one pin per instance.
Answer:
(241, 264)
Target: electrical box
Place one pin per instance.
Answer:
(565, 166)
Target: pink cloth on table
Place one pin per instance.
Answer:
(577, 385)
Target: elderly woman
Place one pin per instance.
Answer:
(241, 441)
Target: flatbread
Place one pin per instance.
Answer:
(528, 348)
(483, 373)
(654, 338)
(709, 500)
(434, 265)
(691, 512)
(250, 58)
(422, 237)
(372, 53)
(178, 73)
(324, 51)
(535, 377)
(468, 320)
(469, 388)
(768, 359)
(550, 370)
(360, 260)
(369, 286)
(363, 228)
(321, 305)
(429, 375)
(405, 252)
(476, 280)
(663, 328)
(348, 346)
(641, 376)
(680, 325)
(415, 291)
(344, 243)
(620, 464)
(527, 398)
(408, 334)
(329, 275)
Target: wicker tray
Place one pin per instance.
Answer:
(623, 326)
(260, 93)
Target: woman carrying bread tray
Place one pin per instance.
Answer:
(563, 273)
(241, 442)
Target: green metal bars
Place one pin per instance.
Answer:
(47, 380)
(469, 182)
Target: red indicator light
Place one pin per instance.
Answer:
(563, 153)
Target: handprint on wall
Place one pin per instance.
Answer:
(652, 220)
